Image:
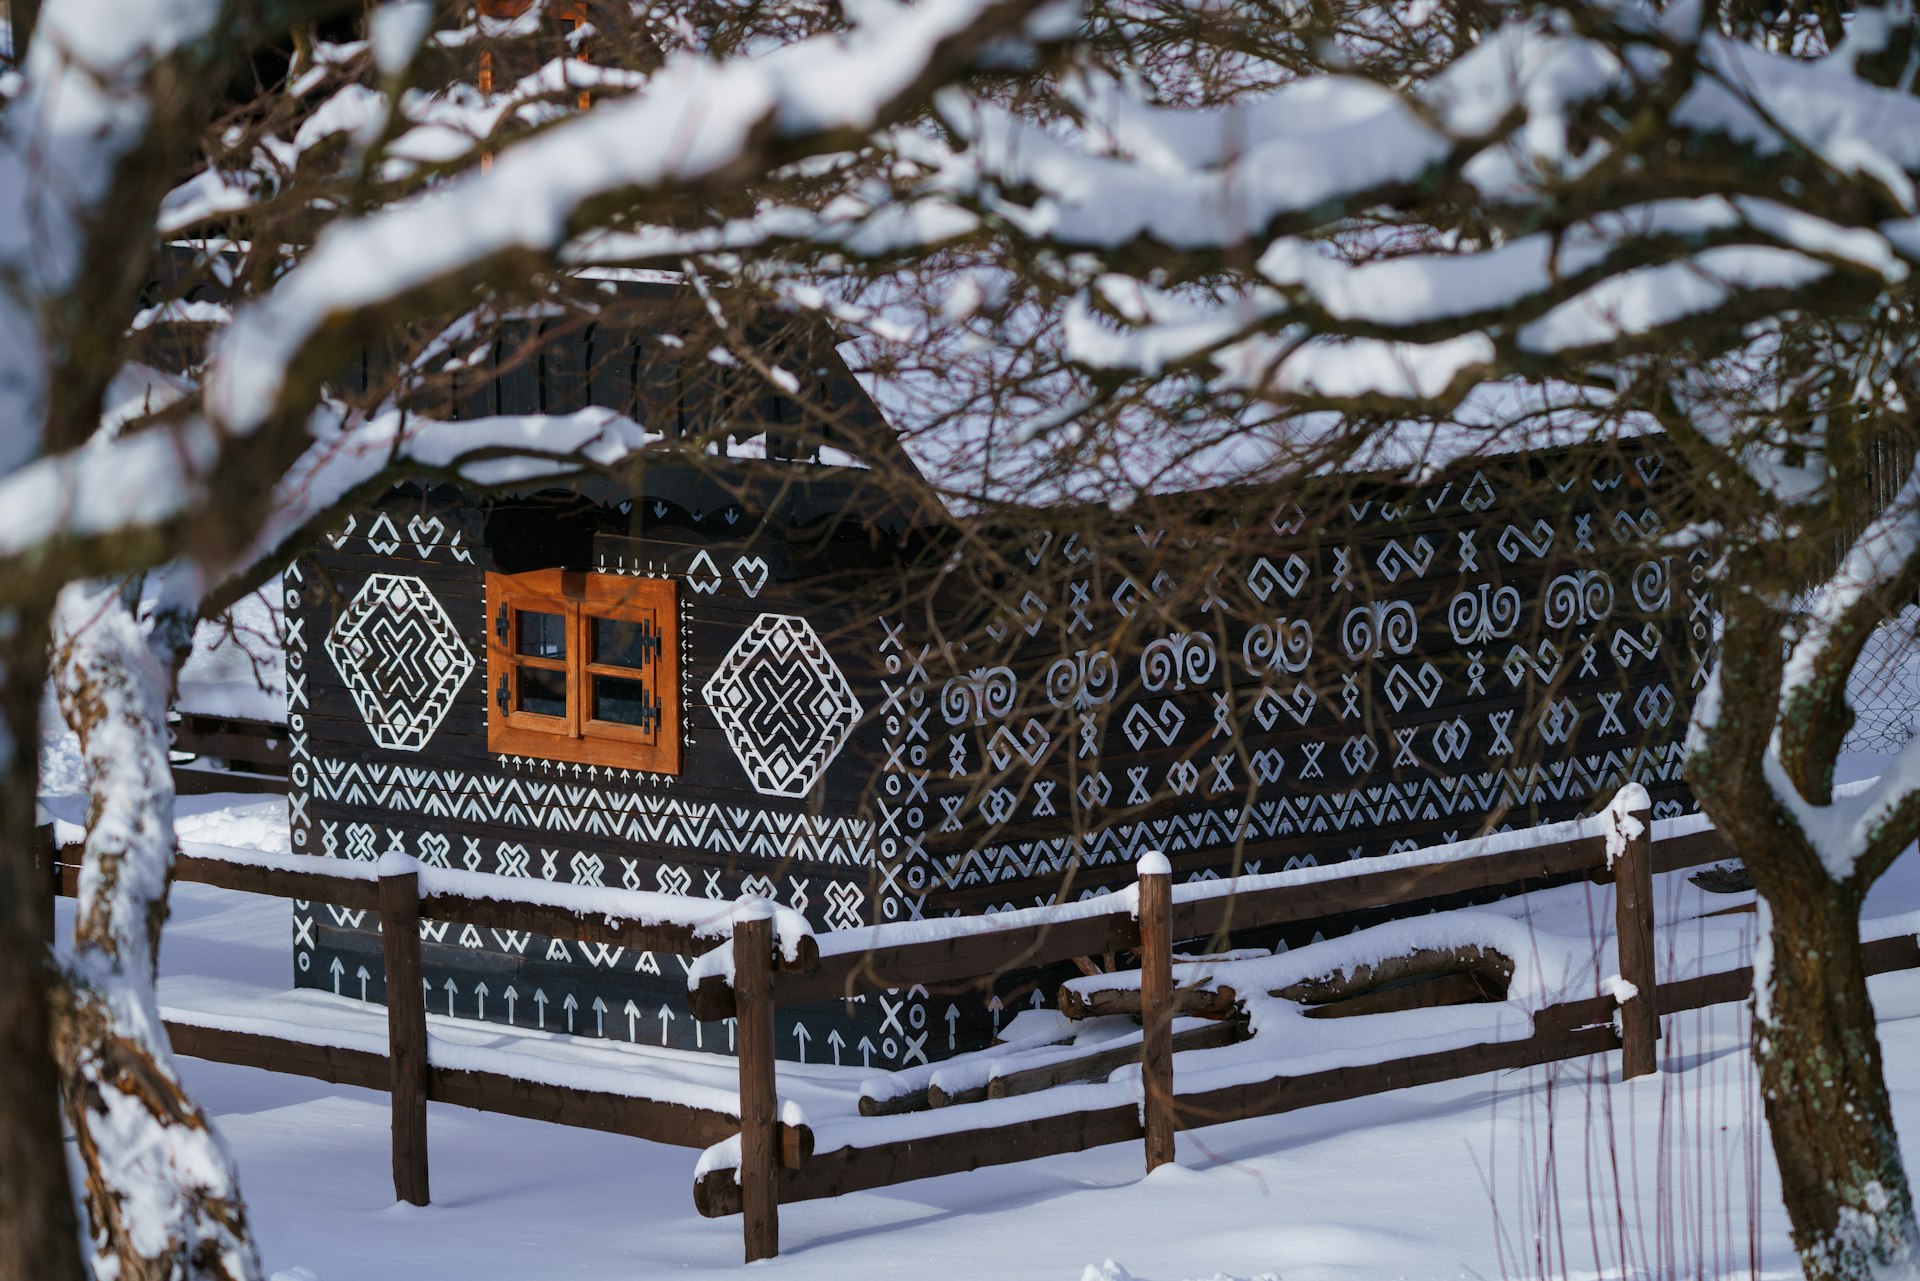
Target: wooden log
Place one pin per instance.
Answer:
(846, 1170)
(1344, 985)
(958, 963)
(406, 1032)
(1426, 994)
(1633, 923)
(503, 914)
(1098, 1064)
(322, 887)
(1398, 888)
(964, 963)
(200, 780)
(854, 1169)
(330, 1063)
(1155, 889)
(589, 927)
(914, 1088)
(1197, 1002)
(670, 1123)
(239, 748)
(1693, 849)
(759, 1104)
(1286, 1094)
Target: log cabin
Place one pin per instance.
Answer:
(766, 674)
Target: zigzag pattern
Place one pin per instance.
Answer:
(583, 809)
(1368, 809)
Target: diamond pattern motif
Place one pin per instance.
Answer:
(783, 703)
(402, 659)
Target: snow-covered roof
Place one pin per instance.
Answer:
(1051, 464)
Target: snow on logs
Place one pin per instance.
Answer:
(1378, 985)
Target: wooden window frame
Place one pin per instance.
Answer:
(576, 737)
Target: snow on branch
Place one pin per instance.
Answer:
(1540, 123)
(147, 481)
(1863, 827)
(83, 109)
(698, 125)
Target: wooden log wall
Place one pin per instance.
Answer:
(1383, 668)
(1398, 668)
(387, 731)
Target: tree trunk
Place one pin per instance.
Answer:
(37, 1231)
(163, 1202)
(1846, 1191)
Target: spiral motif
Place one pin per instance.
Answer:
(1283, 645)
(1087, 679)
(1652, 590)
(1374, 630)
(1477, 616)
(1179, 660)
(1584, 596)
(983, 695)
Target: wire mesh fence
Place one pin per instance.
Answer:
(1885, 688)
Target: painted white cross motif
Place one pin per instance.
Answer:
(402, 659)
(783, 703)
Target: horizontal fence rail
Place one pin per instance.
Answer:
(753, 958)
(402, 893)
(252, 754)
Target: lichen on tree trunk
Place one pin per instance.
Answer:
(1845, 1187)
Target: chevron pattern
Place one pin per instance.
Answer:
(454, 796)
(1359, 816)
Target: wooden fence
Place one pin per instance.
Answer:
(406, 1071)
(778, 1163)
(1209, 910)
(251, 754)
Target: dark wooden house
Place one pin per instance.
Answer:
(763, 675)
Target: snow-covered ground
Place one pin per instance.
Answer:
(1554, 1172)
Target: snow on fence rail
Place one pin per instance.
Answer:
(401, 891)
(1020, 1102)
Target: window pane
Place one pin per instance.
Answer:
(628, 702)
(619, 643)
(543, 635)
(542, 692)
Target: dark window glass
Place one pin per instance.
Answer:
(542, 692)
(628, 702)
(543, 635)
(623, 644)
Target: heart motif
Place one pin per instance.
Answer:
(751, 573)
(425, 531)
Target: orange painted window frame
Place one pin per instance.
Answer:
(577, 737)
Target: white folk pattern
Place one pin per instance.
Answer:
(584, 808)
(402, 659)
(783, 703)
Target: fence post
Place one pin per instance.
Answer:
(1632, 817)
(759, 1106)
(406, 1026)
(1155, 881)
